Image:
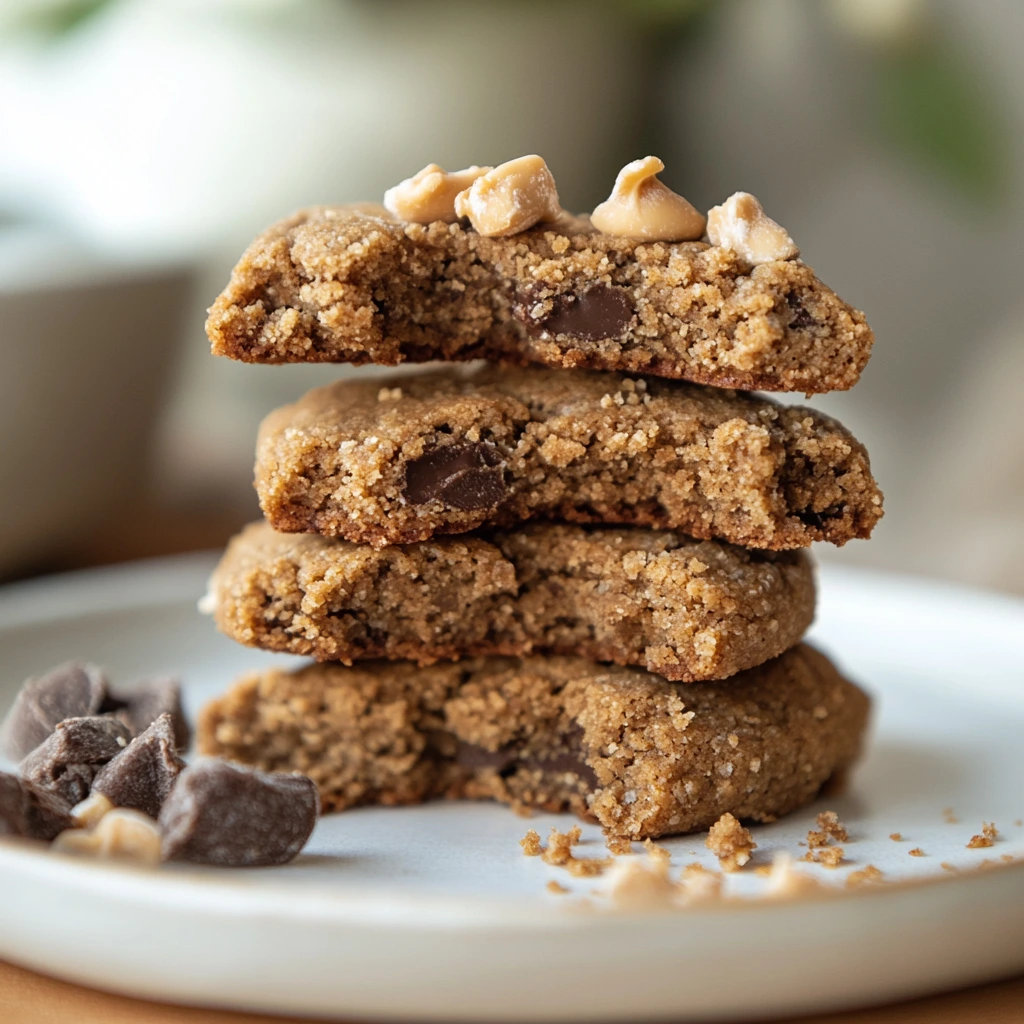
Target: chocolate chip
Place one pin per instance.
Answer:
(473, 757)
(66, 763)
(219, 813)
(24, 811)
(462, 476)
(569, 759)
(140, 706)
(801, 318)
(141, 775)
(561, 762)
(604, 311)
(69, 691)
(817, 520)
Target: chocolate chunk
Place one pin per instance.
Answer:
(604, 311)
(72, 690)
(66, 763)
(140, 706)
(219, 813)
(562, 763)
(24, 811)
(471, 756)
(801, 318)
(462, 476)
(568, 759)
(141, 775)
(818, 519)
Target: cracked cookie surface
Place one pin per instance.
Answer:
(683, 608)
(447, 452)
(642, 756)
(353, 284)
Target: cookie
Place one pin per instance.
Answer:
(447, 452)
(683, 608)
(642, 756)
(353, 284)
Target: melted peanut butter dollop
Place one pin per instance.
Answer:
(511, 198)
(430, 194)
(641, 206)
(740, 224)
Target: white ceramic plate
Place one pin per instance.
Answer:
(433, 913)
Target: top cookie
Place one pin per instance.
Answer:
(355, 284)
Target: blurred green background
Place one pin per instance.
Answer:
(144, 142)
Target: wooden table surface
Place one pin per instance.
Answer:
(28, 998)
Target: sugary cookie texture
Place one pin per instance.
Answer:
(356, 284)
(448, 452)
(642, 756)
(685, 609)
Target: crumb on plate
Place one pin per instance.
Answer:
(730, 842)
(866, 875)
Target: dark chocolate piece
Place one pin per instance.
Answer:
(219, 813)
(604, 311)
(801, 318)
(72, 690)
(463, 476)
(66, 763)
(565, 762)
(141, 705)
(507, 759)
(471, 756)
(24, 811)
(818, 519)
(141, 776)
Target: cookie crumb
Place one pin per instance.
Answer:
(829, 823)
(698, 885)
(730, 842)
(558, 852)
(1019, 822)
(784, 882)
(896, 837)
(989, 834)
(531, 844)
(946, 866)
(557, 888)
(618, 845)
(831, 856)
(1008, 857)
(586, 867)
(389, 395)
(917, 852)
(641, 885)
(949, 816)
(656, 852)
(868, 874)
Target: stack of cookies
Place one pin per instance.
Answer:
(572, 577)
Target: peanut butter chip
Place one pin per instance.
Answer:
(741, 224)
(119, 834)
(91, 810)
(510, 198)
(640, 206)
(430, 195)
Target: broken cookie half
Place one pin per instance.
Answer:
(354, 284)
(640, 755)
